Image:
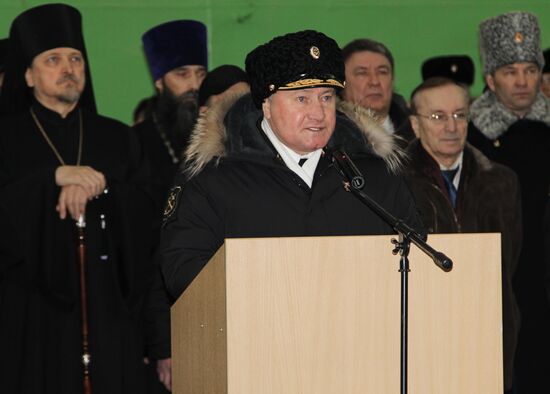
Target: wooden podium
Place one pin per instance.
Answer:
(321, 315)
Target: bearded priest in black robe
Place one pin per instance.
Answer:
(60, 160)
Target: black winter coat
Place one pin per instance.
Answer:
(525, 148)
(243, 189)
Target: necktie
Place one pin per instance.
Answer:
(302, 161)
(448, 176)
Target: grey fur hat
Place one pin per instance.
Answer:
(510, 38)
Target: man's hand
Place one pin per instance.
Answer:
(72, 199)
(86, 177)
(164, 369)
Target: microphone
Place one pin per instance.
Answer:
(351, 174)
(354, 182)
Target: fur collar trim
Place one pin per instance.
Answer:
(492, 118)
(383, 144)
(211, 140)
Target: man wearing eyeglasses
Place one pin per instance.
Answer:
(510, 124)
(457, 189)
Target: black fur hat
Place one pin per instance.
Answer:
(219, 80)
(299, 60)
(459, 68)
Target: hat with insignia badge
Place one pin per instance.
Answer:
(510, 38)
(301, 60)
(459, 68)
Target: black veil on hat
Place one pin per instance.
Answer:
(3, 50)
(37, 30)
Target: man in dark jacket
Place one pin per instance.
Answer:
(457, 189)
(57, 155)
(510, 124)
(259, 166)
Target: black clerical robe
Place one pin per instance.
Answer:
(40, 329)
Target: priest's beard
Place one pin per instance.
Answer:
(72, 92)
(176, 116)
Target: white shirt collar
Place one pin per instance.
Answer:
(291, 158)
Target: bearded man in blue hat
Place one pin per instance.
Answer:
(176, 52)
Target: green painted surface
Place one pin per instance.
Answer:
(413, 30)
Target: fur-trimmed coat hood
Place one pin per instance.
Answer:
(231, 129)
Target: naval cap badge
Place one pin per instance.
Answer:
(315, 52)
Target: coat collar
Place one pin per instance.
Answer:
(492, 118)
(423, 165)
(230, 130)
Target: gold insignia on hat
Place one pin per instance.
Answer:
(171, 203)
(271, 87)
(311, 82)
(454, 68)
(518, 37)
(315, 52)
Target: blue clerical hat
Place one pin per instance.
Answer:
(175, 44)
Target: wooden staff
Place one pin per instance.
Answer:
(86, 358)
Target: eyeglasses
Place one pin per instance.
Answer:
(441, 117)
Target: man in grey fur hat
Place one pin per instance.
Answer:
(510, 123)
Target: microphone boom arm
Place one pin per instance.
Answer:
(354, 181)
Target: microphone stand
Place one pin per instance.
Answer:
(353, 182)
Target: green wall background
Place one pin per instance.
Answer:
(413, 30)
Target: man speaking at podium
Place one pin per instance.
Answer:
(260, 165)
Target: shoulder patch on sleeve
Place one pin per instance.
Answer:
(171, 204)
